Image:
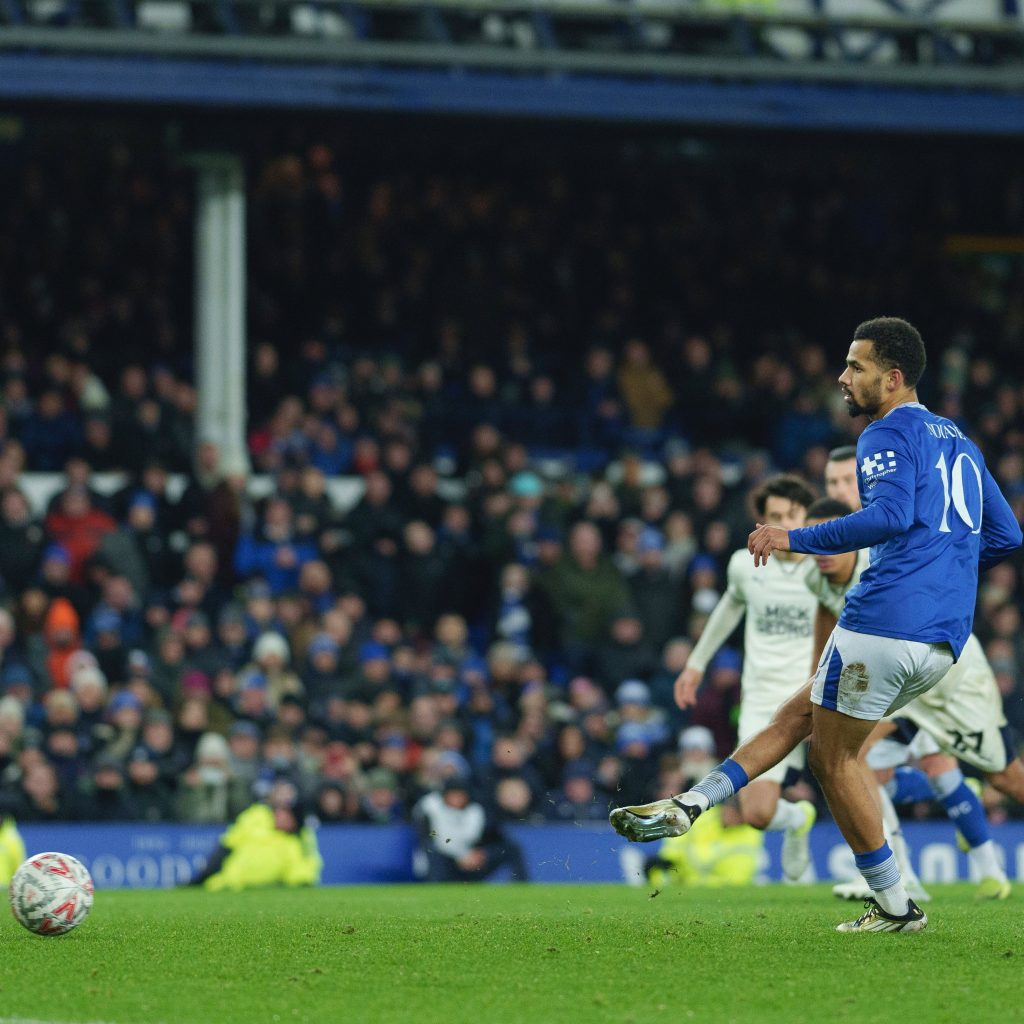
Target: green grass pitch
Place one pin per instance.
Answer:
(512, 955)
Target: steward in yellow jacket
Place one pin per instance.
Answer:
(12, 850)
(267, 844)
(720, 851)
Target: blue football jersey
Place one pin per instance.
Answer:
(932, 514)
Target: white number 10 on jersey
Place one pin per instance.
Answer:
(956, 493)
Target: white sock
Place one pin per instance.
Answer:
(893, 900)
(692, 796)
(984, 860)
(787, 815)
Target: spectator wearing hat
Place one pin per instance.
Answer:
(89, 685)
(322, 676)
(124, 714)
(232, 641)
(633, 698)
(136, 547)
(458, 842)
(244, 751)
(148, 788)
(208, 791)
(252, 702)
(200, 651)
(637, 748)
(698, 753)
(656, 595)
(625, 653)
(60, 735)
(380, 802)
(718, 697)
(103, 636)
(374, 675)
(55, 579)
(270, 658)
(168, 665)
(61, 636)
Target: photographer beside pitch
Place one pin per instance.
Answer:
(932, 515)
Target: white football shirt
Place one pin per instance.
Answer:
(778, 633)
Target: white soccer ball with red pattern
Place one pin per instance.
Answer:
(51, 893)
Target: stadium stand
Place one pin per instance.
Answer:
(458, 555)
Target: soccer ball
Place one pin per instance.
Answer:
(51, 893)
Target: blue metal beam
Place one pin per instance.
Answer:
(255, 85)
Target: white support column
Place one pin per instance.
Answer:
(220, 338)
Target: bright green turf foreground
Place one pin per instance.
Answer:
(501, 954)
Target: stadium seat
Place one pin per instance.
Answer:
(164, 16)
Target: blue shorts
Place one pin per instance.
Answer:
(871, 677)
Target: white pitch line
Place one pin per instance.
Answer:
(33, 1020)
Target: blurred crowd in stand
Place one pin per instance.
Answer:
(556, 389)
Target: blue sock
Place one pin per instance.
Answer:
(721, 783)
(909, 786)
(963, 808)
(878, 868)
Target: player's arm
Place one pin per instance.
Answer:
(1000, 531)
(725, 617)
(824, 622)
(890, 513)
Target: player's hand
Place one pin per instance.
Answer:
(686, 687)
(766, 539)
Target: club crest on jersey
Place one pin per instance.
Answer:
(879, 464)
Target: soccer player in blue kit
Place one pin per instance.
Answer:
(932, 515)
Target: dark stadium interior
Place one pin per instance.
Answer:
(503, 330)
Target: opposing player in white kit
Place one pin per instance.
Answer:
(932, 515)
(777, 644)
(961, 717)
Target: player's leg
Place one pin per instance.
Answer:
(861, 679)
(1010, 781)
(964, 809)
(836, 743)
(884, 756)
(790, 725)
(758, 804)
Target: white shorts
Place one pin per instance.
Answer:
(753, 718)
(870, 677)
(963, 712)
(891, 753)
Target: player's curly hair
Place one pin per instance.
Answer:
(784, 485)
(898, 345)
